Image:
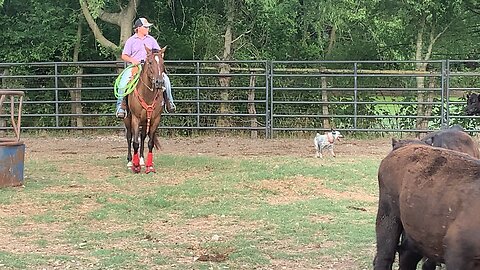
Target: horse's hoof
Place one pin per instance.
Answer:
(129, 165)
(150, 169)
(142, 162)
(136, 169)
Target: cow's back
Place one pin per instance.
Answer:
(453, 139)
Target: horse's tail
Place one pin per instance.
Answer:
(156, 141)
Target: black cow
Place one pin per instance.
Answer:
(473, 104)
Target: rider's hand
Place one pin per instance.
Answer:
(135, 62)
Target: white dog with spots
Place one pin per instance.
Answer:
(326, 141)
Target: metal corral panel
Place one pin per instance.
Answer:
(12, 156)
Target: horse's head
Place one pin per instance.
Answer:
(154, 67)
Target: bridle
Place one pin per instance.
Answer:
(156, 83)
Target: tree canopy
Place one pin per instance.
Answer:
(247, 29)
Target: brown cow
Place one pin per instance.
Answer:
(432, 194)
(453, 138)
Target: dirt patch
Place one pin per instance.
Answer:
(301, 188)
(114, 146)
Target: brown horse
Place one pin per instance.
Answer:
(145, 106)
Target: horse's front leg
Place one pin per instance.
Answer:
(136, 159)
(151, 143)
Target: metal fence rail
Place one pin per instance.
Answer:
(268, 97)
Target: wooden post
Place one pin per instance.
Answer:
(326, 121)
(251, 106)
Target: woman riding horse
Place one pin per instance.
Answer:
(145, 107)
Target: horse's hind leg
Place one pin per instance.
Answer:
(129, 153)
(143, 135)
(128, 133)
(151, 143)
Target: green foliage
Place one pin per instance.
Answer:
(38, 31)
(262, 29)
(95, 6)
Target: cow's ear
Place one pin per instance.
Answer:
(394, 142)
(478, 97)
(429, 141)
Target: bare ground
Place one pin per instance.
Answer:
(114, 147)
(216, 146)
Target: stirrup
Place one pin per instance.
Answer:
(121, 113)
(172, 106)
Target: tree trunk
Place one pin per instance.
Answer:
(325, 111)
(76, 94)
(224, 67)
(251, 107)
(429, 96)
(425, 96)
(420, 122)
(326, 121)
(124, 19)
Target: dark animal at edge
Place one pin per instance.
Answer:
(432, 194)
(473, 104)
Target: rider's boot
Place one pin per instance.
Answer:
(121, 108)
(169, 105)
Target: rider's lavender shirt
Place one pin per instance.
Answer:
(135, 46)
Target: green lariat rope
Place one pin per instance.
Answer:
(130, 85)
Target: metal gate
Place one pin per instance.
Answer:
(264, 98)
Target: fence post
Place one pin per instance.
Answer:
(355, 98)
(198, 92)
(57, 118)
(269, 110)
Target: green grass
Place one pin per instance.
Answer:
(266, 211)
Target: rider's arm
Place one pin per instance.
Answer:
(129, 59)
(128, 51)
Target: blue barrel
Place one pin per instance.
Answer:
(12, 160)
